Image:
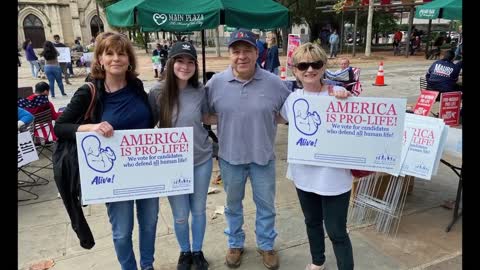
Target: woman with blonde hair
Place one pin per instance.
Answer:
(272, 62)
(323, 192)
(122, 104)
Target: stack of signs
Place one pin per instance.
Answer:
(355, 133)
(423, 142)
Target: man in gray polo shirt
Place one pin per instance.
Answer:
(247, 99)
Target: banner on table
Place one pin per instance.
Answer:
(425, 102)
(26, 151)
(354, 133)
(135, 164)
(450, 107)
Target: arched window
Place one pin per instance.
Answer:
(33, 29)
(96, 26)
(302, 31)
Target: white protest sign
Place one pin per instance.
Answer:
(26, 149)
(87, 57)
(135, 164)
(354, 133)
(423, 149)
(454, 142)
(64, 56)
(407, 138)
(443, 138)
(441, 146)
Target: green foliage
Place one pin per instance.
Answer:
(383, 22)
(106, 3)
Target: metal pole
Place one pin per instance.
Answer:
(410, 23)
(429, 31)
(203, 58)
(355, 32)
(217, 42)
(342, 37)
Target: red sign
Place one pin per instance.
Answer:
(450, 107)
(425, 102)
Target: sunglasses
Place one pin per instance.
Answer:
(304, 65)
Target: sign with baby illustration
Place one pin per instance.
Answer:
(354, 133)
(135, 164)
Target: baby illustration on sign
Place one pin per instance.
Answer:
(305, 121)
(98, 159)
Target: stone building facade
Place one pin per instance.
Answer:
(39, 20)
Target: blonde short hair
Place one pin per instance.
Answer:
(310, 50)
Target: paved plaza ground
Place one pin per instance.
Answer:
(44, 230)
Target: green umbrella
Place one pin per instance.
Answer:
(254, 14)
(165, 15)
(180, 16)
(176, 16)
(445, 9)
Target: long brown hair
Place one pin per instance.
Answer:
(168, 99)
(118, 43)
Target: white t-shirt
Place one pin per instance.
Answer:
(321, 180)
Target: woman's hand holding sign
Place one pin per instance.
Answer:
(103, 128)
(341, 94)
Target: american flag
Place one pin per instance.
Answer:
(32, 101)
(35, 104)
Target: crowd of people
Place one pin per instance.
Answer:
(180, 100)
(231, 100)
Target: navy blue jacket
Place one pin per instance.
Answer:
(272, 59)
(442, 76)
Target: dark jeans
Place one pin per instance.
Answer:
(64, 67)
(333, 211)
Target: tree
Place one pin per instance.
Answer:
(141, 39)
(304, 11)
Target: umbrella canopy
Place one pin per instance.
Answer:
(165, 15)
(175, 16)
(263, 14)
(445, 9)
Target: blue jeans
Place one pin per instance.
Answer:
(333, 50)
(194, 203)
(54, 73)
(121, 218)
(262, 179)
(35, 67)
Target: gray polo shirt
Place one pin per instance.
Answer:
(193, 104)
(246, 114)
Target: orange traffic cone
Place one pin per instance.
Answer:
(283, 73)
(379, 81)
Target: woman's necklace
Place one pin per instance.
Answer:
(107, 88)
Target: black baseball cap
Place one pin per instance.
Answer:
(180, 48)
(243, 35)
